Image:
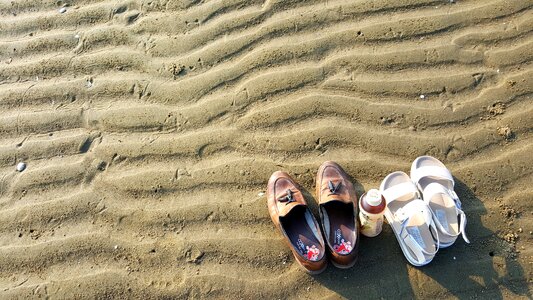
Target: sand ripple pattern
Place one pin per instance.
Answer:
(150, 129)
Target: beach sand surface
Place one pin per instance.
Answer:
(149, 129)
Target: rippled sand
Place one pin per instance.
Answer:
(150, 129)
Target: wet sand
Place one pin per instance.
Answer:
(149, 130)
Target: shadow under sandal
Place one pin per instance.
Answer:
(338, 212)
(410, 219)
(289, 212)
(437, 184)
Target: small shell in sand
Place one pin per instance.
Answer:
(21, 166)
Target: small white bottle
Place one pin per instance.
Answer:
(371, 208)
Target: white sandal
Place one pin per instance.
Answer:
(436, 183)
(410, 219)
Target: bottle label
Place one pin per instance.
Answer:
(371, 225)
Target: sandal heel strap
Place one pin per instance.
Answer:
(431, 171)
(400, 190)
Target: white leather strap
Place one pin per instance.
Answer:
(415, 248)
(411, 209)
(435, 188)
(399, 190)
(416, 206)
(462, 226)
(435, 235)
(461, 215)
(431, 171)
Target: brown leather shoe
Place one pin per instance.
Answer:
(288, 210)
(337, 203)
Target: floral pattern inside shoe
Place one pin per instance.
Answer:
(341, 246)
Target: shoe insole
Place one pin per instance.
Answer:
(339, 226)
(297, 226)
(418, 229)
(444, 209)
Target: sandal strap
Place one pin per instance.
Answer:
(431, 171)
(415, 248)
(412, 208)
(396, 191)
(433, 189)
(462, 226)
(461, 215)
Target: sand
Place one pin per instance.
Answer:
(149, 129)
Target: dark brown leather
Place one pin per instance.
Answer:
(337, 203)
(289, 212)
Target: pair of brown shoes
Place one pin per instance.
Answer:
(337, 203)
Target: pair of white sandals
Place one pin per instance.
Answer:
(424, 224)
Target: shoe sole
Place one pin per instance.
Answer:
(339, 266)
